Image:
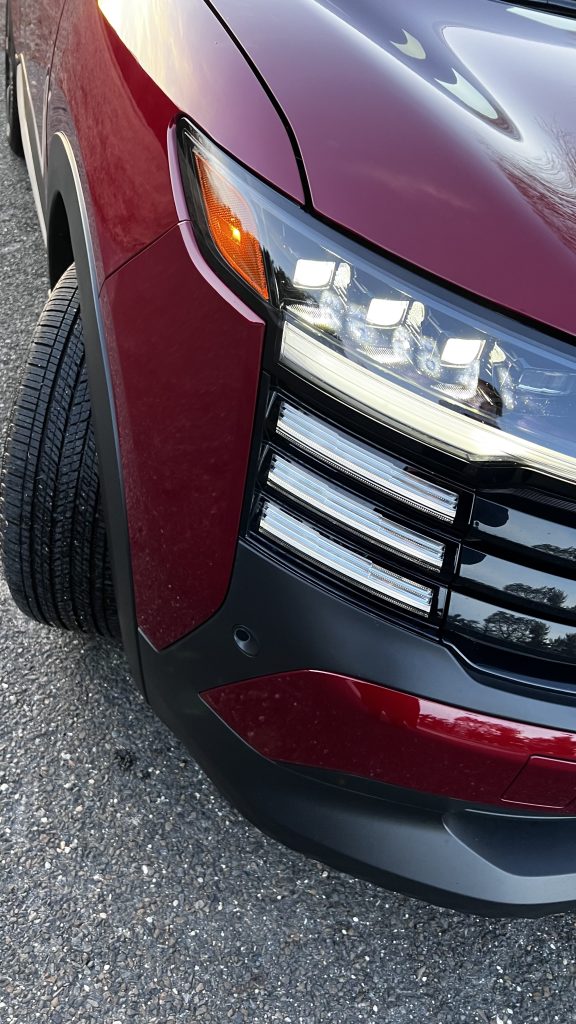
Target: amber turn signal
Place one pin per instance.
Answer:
(232, 226)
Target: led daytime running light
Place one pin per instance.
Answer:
(397, 407)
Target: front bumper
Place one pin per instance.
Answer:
(453, 853)
(197, 390)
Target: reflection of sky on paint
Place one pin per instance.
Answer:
(139, 23)
(426, 52)
(461, 87)
(540, 161)
(469, 95)
(547, 181)
(454, 78)
(411, 47)
(545, 18)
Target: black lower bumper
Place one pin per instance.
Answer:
(469, 858)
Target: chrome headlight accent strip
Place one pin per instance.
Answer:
(347, 565)
(355, 513)
(464, 437)
(362, 462)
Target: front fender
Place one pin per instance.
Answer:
(63, 185)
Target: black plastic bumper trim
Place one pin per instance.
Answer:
(447, 853)
(486, 863)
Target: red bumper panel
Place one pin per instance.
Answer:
(544, 782)
(321, 720)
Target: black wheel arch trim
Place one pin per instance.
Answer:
(64, 183)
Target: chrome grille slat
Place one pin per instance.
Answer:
(362, 462)
(301, 537)
(317, 493)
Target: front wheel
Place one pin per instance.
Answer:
(54, 545)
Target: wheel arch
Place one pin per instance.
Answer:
(59, 240)
(69, 240)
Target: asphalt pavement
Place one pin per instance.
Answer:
(131, 891)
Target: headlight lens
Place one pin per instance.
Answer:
(403, 351)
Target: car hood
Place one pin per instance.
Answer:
(443, 132)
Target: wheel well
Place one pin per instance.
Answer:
(60, 252)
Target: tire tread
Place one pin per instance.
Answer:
(54, 545)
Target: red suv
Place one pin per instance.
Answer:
(299, 418)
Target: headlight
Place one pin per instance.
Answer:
(418, 358)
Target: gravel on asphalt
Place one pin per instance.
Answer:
(131, 891)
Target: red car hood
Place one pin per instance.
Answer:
(443, 131)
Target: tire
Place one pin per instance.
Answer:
(12, 120)
(54, 545)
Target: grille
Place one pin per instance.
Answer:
(493, 578)
(350, 513)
